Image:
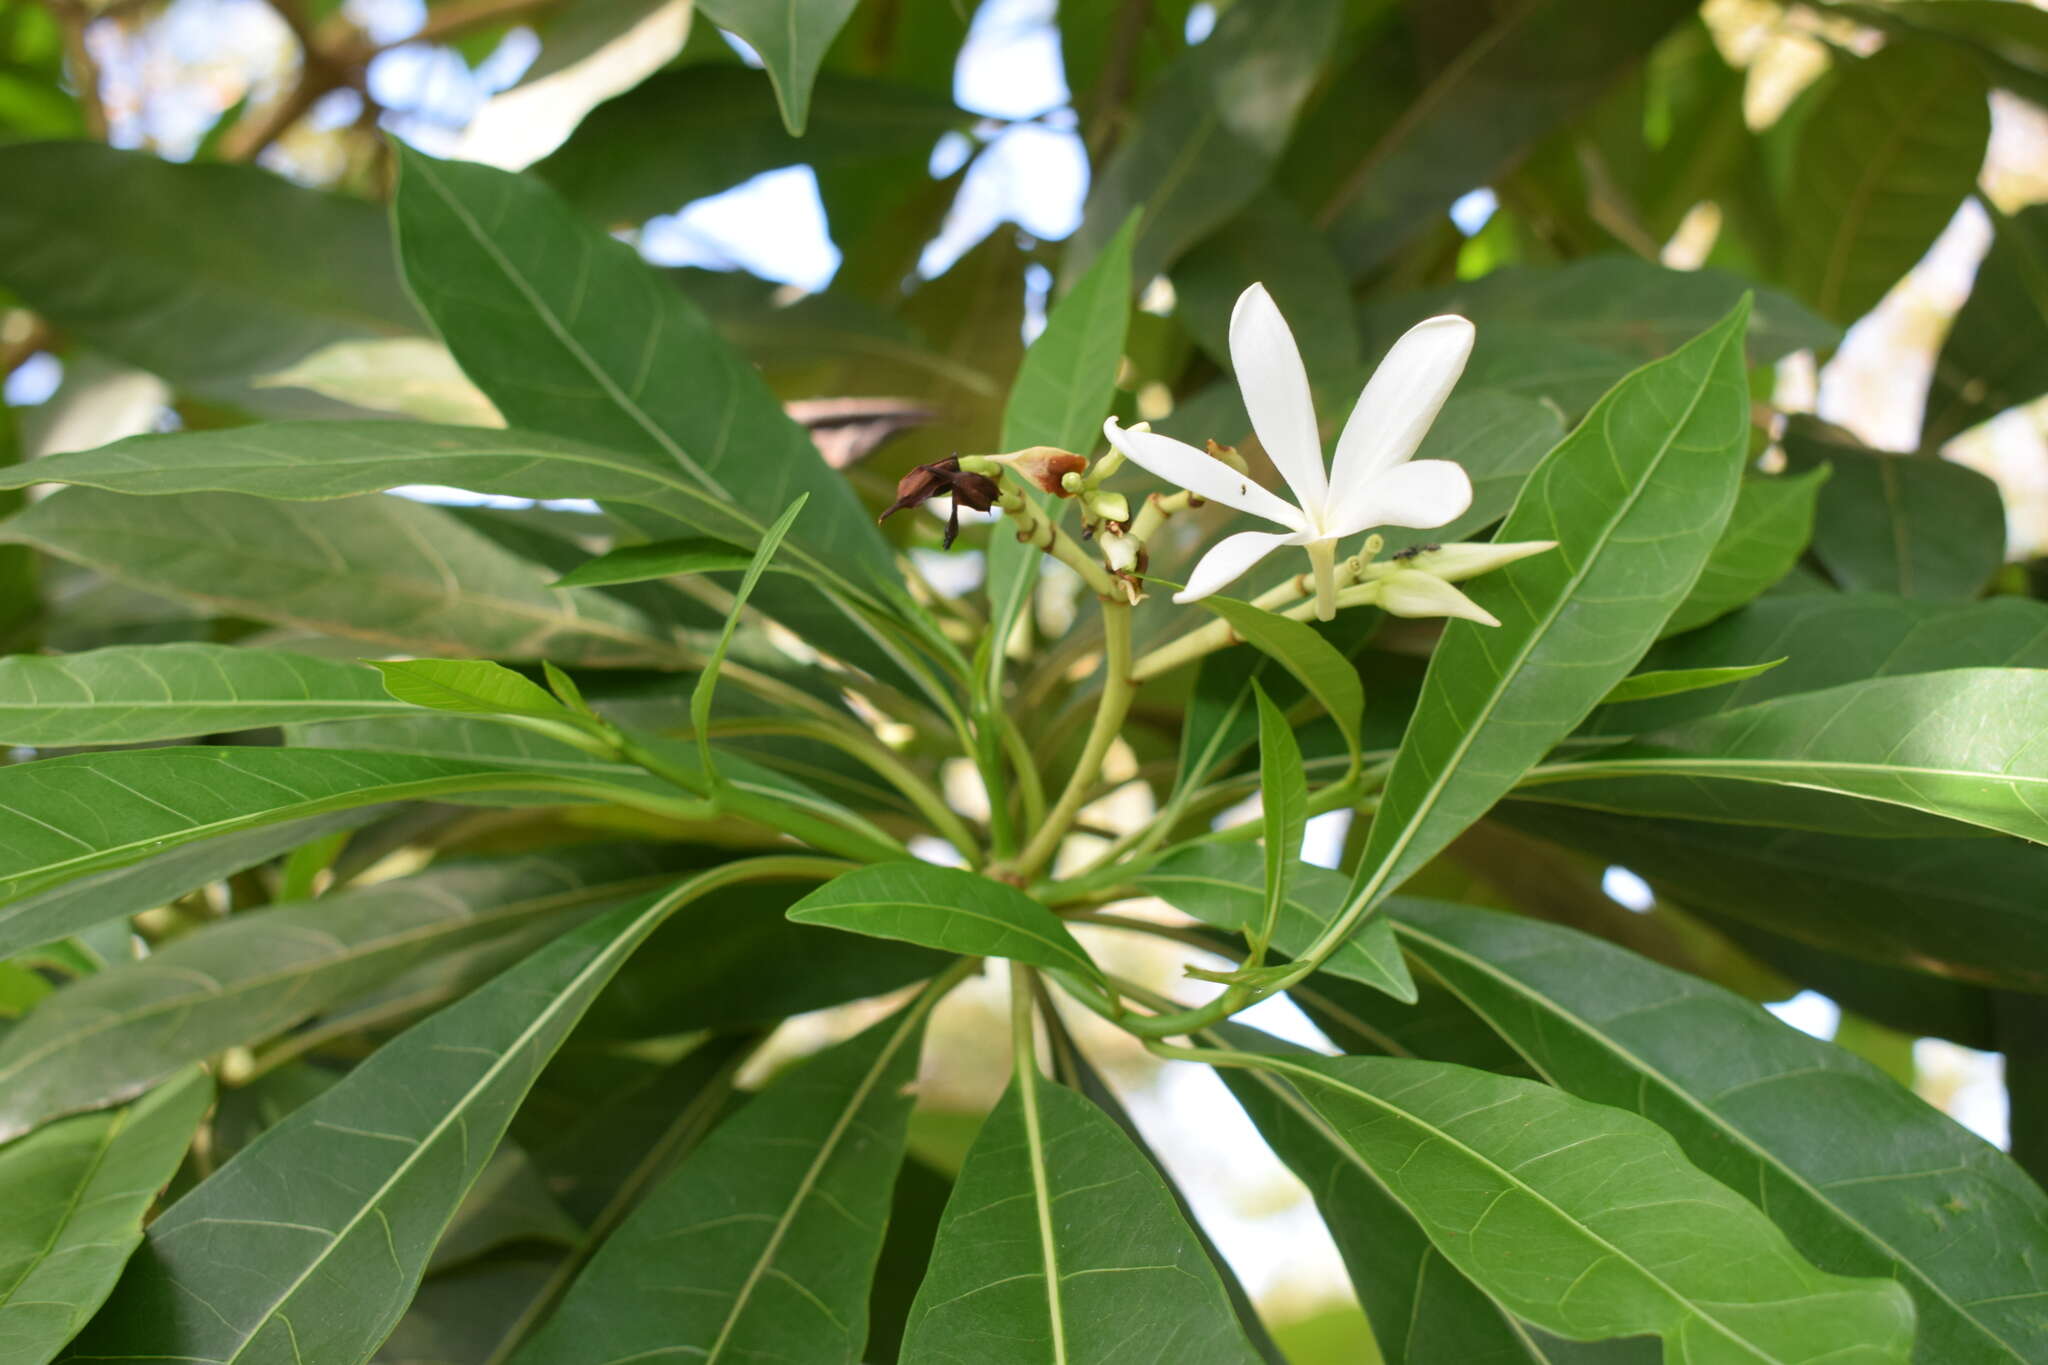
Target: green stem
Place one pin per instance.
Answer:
(1115, 701)
(1030, 785)
(1035, 528)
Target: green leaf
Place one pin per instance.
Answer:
(205, 274)
(764, 1241)
(1667, 682)
(1636, 498)
(1882, 163)
(1222, 884)
(1924, 528)
(1199, 150)
(386, 570)
(1963, 908)
(1480, 109)
(790, 37)
(1862, 1175)
(1283, 795)
(705, 690)
(1996, 354)
(696, 131)
(947, 908)
(473, 686)
(1829, 639)
(322, 1269)
(1420, 1308)
(660, 559)
(76, 1193)
(1490, 1165)
(514, 305)
(132, 694)
(1314, 661)
(1965, 744)
(66, 817)
(1061, 1242)
(1767, 532)
(97, 897)
(235, 983)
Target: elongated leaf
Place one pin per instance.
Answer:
(1062, 393)
(1221, 884)
(569, 332)
(1061, 1242)
(98, 897)
(386, 570)
(1314, 661)
(108, 1036)
(1766, 1111)
(1966, 745)
(1063, 387)
(318, 1271)
(661, 559)
(131, 694)
(702, 694)
(1669, 682)
(76, 1193)
(1767, 532)
(1489, 1164)
(1965, 909)
(1199, 151)
(1827, 640)
(945, 908)
(1918, 528)
(66, 817)
(1883, 162)
(1421, 1308)
(1283, 795)
(697, 130)
(411, 376)
(791, 37)
(1636, 499)
(763, 1242)
(471, 686)
(1996, 354)
(257, 273)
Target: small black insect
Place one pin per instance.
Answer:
(1414, 550)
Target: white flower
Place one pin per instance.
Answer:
(1371, 482)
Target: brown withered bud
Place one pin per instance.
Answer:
(1045, 466)
(944, 479)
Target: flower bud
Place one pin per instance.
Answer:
(1410, 592)
(1457, 562)
(1119, 552)
(1113, 508)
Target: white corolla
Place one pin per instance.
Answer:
(1373, 481)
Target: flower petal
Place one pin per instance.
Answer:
(1274, 383)
(1201, 474)
(1398, 404)
(1420, 494)
(1228, 559)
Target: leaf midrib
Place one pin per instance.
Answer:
(1585, 1028)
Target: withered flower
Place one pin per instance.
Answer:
(944, 479)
